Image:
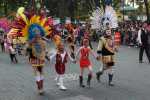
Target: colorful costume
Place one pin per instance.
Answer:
(38, 53)
(106, 50)
(37, 59)
(33, 28)
(105, 20)
(106, 47)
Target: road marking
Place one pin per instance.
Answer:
(79, 97)
(69, 77)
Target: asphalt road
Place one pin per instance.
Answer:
(132, 80)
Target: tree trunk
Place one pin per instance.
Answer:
(33, 5)
(42, 4)
(5, 8)
(147, 10)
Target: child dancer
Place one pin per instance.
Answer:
(60, 58)
(85, 62)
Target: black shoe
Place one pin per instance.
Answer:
(140, 61)
(81, 81)
(111, 84)
(89, 80)
(110, 79)
(98, 75)
(41, 92)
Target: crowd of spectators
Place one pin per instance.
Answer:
(129, 32)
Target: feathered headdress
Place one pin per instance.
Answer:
(4, 25)
(110, 17)
(96, 18)
(29, 26)
(101, 19)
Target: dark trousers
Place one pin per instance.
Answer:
(142, 49)
(13, 58)
(78, 39)
(90, 44)
(2, 47)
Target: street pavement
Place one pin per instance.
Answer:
(132, 80)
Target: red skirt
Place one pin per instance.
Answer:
(37, 62)
(85, 63)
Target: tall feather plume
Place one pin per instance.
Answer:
(111, 17)
(96, 19)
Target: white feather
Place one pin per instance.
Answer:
(96, 18)
(111, 14)
(108, 17)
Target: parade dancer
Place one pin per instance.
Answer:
(106, 53)
(60, 58)
(85, 62)
(71, 44)
(33, 29)
(106, 20)
(37, 60)
(71, 39)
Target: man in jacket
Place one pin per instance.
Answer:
(143, 42)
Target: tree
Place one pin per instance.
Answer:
(8, 6)
(58, 8)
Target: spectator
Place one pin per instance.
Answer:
(12, 54)
(2, 42)
(143, 42)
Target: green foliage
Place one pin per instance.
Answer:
(60, 8)
(7, 7)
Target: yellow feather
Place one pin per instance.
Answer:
(33, 19)
(43, 21)
(25, 31)
(37, 20)
(47, 30)
(20, 12)
(57, 40)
